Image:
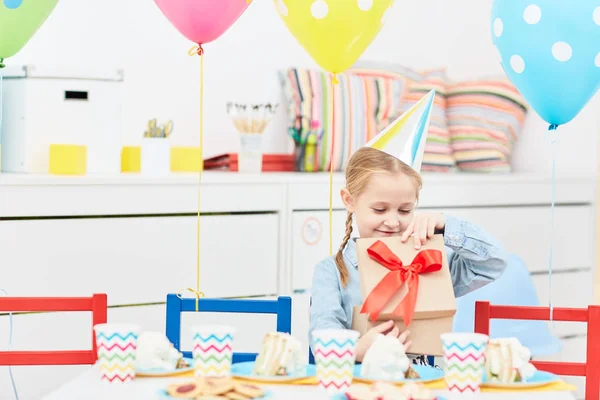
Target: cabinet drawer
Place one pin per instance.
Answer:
(310, 242)
(139, 260)
(525, 231)
(569, 289)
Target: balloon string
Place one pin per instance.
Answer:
(552, 134)
(334, 81)
(199, 51)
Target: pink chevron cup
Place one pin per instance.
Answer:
(464, 360)
(116, 345)
(212, 349)
(335, 355)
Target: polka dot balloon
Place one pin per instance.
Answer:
(550, 50)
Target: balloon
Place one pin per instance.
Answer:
(19, 20)
(550, 50)
(334, 32)
(202, 21)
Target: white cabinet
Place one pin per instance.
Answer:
(526, 232)
(310, 242)
(140, 260)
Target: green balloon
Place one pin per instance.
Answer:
(19, 20)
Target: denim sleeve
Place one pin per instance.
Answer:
(476, 258)
(326, 309)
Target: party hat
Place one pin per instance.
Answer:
(405, 137)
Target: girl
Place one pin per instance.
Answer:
(381, 194)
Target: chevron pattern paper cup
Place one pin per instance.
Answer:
(116, 345)
(464, 358)
(335, 356)
(212, 350)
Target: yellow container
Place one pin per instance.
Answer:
(186, 159)
(67, 159)
(130, 159)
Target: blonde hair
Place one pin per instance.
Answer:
(362, 165)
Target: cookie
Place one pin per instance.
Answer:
(188, 390)
(210, 397)
(249, 390)
(236, 396)
(215, 386)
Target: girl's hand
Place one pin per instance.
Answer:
(423, 226)
(388, 328)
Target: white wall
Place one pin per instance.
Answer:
(162, 80)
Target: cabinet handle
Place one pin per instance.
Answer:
(75, 95)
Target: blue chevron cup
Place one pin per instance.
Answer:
(116, 345)
(212, 349)
(464, 359)
(335, 356)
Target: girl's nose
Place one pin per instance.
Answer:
(392, 222)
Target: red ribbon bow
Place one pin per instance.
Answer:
(425, 261)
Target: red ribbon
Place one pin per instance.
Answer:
(424, 262)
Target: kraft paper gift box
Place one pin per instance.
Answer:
(412, 287)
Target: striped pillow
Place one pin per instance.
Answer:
(438, 152)
(350, 113)
(485, 118)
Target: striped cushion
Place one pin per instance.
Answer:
(438, 152)
(351, 112)
(485, 118)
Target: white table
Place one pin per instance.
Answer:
(89, 387)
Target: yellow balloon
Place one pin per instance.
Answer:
(334, 32)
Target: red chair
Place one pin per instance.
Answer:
(97, 304)
(590, 369)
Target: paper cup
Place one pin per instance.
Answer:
(212, 349)
(335, 356)
(250, 157)
(116, 345)
(464, 359)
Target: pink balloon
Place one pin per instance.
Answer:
(202, 21)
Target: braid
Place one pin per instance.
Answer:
(339, 257)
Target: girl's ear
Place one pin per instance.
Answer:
(347, 200)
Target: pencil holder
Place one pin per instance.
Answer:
(155, 156)
(250, 157)
(67, 159)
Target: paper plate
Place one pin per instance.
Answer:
(157, 372)
(244, 371)
(427, 374)
(540, 378)
(342, 396)
(163, 395)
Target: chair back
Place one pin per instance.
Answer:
(590, 369)
(97, 304)
(282, 307)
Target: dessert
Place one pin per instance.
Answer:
(507, 361)
(155, 351)
(280, 355)
(386, 360)
(215, 388)
(387, 391)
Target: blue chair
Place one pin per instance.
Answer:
(514, 288)
(282, 307)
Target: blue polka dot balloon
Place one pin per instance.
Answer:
(12, 4)
(550, 50)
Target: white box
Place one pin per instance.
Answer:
(43, 106)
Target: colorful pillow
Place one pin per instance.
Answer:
(485, 118)
(350, 113)
(438, 152)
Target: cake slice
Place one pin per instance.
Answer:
(507, 361)
(280, 355)
(386, 360)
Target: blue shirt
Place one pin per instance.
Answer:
(474, 257)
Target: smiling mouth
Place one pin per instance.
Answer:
(387, 232)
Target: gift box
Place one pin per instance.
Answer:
(412, 287)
